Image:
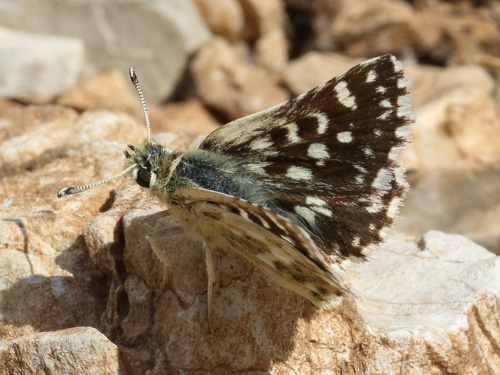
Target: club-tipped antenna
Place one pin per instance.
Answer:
(135, 81)
(78, 189)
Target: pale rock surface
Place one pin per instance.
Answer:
(427, 306)
(106, 90)
(189, 117)
(457, 124)
(224, 17)
(36, 68)
(72, 351)
(420, 306)
(262, 17)
(364, 27)
(227, 83)
(156, 37)
(314, 68)
(47, 280)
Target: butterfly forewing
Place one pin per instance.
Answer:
(330, 157)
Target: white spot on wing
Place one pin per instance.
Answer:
(261, 144)
(381, 90)
(315, 201)
(355, 241)
(403, 132)
(386, 103)
(371, 76)
(306, 213)
(344, 137)
(398, 65)
(293, 132)
(344, 95)
(318, 151)
(322, 121)
(383, 179)
(299, 173)
(258, 167)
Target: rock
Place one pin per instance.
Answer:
(401, 314)
(190, 118)
(313, 69)
(272, 51)
(455, 201)
(262, 17)
(36, 68)
(71, 351)
(170, 32)
(107, 90)
(228, 84)
(456, 123)
(224, 17)
(364, 27)
(48, 281)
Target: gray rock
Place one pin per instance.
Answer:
(36, 68)
(155, 37)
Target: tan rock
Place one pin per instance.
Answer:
(400, 314)
(72, 351)
(190, 118)
(107, 90)
(313, 69)
(224, 17)
(364, 27)
(262, 16)
(271, 50)
(225, 82)
(457, 124)
(170, 31)
(48, 281)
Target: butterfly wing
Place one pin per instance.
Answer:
(330, 157)
(278, 247)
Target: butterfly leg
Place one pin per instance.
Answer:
(156, 240)
(211, 281)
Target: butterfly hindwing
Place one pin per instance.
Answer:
(275, 245)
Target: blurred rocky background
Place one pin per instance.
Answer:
(78, 280)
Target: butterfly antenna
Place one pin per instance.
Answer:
(135, 81)
(78, 189)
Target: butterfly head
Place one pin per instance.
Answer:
(141, 160)
(145, 162)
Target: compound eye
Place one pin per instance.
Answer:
(143, 177)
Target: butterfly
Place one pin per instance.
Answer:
(297, 189)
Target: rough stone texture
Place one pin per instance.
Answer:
(313, 69)
(169, 32)
(48, 282)
(225, 82)
(427, 306)
(364, 27)
(224, 17)
(72, 351)
(35, 68)
(107, 90)
(262, 17)
(188, 117)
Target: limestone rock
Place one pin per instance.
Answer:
(313, 69)
(225, 82)
(107, 90)
(412, 296)
(364, 27)
(73, 351)
(169, 32)
(224, 17)
(36, 68)
(189, 117)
